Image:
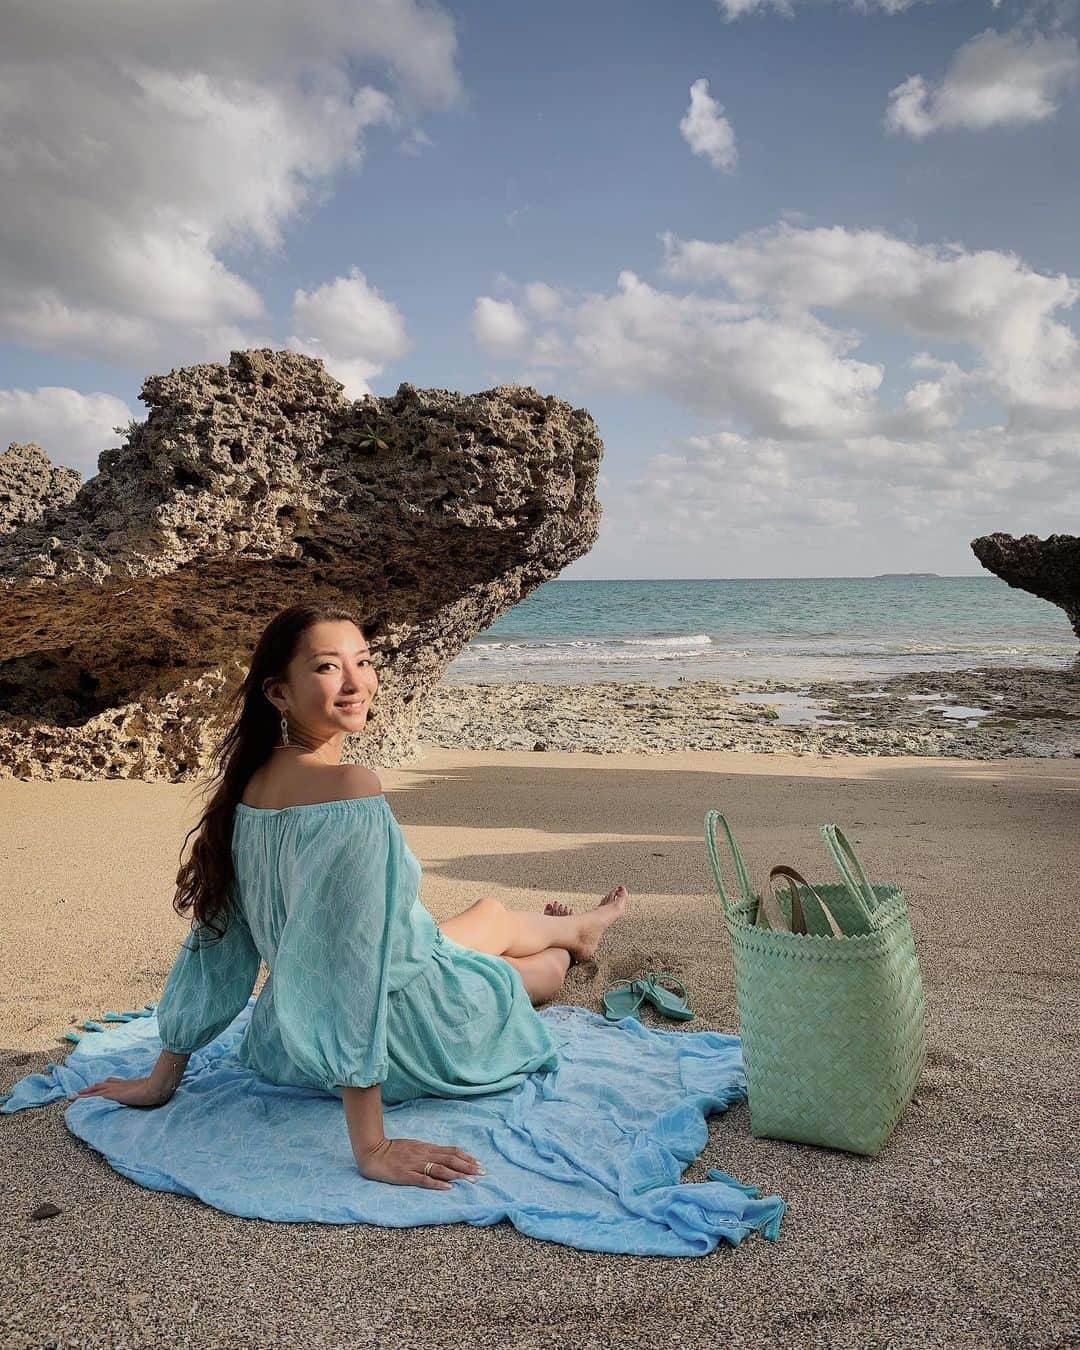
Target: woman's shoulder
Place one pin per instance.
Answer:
(356, 781)
(309, 786)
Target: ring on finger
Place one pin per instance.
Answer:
(427, 1168)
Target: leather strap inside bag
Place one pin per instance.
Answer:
(770, 909)
(769, 912)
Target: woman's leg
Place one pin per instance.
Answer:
(488, 926)
(542, 974)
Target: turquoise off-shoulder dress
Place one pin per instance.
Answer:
(363, 987)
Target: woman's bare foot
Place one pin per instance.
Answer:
(558, 910)
(596, 922)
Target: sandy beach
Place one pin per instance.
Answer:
(959, 1233)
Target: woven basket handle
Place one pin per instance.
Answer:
(851, 870)
(711, 819)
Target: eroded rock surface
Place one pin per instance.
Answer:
(31, 485)
(1048, 568)
(979, 713)
(128, 613)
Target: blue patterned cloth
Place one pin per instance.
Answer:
(584, 1126)
(588, 1154)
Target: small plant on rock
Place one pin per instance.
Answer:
(370, 439)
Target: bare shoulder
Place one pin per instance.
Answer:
(356, 781)
(276, 785)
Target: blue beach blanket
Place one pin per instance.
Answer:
(589, 1155)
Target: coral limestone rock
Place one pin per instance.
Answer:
(31, 485)
(129, 614)
(1048, 568)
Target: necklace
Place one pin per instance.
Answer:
(294, 746)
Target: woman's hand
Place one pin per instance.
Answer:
(130, 1091)
(401, 1162)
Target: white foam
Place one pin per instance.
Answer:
(697, 640)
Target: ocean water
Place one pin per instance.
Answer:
(797, 629)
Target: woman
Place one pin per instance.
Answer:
(300, 862)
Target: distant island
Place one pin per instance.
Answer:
(895, 576)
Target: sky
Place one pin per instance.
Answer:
(812, 265)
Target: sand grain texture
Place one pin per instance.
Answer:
(961, 1233)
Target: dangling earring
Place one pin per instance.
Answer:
(284, 730)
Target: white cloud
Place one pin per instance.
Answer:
(931, 405)
(994, 79)
(736, 9)
(804, 445)
(72, 428)
(707, 131)
(351, 316)
(542, 299)
(352, 326)
(991, 301)
(141, 163)
(416, 142)
(41, 318)
(498, 326)
(784, 376)
(781, 375)
(724, 490)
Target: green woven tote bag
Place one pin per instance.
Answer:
(831, 1019)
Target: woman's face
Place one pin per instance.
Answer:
(331, 680)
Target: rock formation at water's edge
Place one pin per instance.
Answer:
(1048, 568)
(129, 609)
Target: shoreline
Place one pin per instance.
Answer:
(975, 713)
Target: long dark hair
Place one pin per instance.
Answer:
(204, 881)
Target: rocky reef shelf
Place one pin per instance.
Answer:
(969, 714)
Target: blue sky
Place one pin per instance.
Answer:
(813, 273)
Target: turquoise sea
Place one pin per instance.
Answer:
(800, 628)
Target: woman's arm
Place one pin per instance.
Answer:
(363, 1116)
(399, 1161)
(153, 1090)
(166, 1074)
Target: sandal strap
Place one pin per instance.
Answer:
(657, 975)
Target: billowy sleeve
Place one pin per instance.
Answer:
(209, 984)
(332, 966)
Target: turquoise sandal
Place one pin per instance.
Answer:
(623, 999)
(665, 1000)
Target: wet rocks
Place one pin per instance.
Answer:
(1024, 713)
